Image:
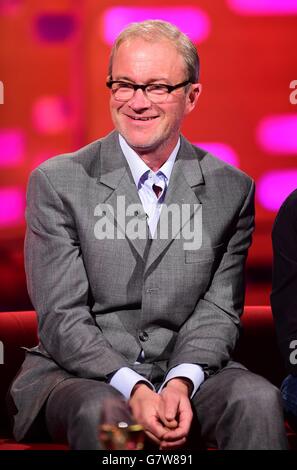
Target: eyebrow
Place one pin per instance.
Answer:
(159, 79)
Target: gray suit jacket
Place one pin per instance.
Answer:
(95, 298)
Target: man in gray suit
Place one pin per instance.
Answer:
(129, 307)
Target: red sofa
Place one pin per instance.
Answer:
(257, 349)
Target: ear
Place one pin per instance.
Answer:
(193, 95)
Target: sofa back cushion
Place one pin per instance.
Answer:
(16, 329)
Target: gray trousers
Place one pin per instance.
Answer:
(234, 409)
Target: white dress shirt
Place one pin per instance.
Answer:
(125, 378)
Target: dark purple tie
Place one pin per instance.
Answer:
(157, 190)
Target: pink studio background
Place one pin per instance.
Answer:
(53, 66)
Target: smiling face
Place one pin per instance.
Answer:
(149, 127)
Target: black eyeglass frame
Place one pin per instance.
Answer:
(136, 86)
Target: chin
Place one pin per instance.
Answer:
(140, 143)
(143, 147)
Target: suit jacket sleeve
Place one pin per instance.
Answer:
(209, 335)
(284, 279)
(58, 286)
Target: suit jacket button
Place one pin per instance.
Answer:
(143, 336)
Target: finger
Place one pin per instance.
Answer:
(174, 435)
(172, 445)
(168, 424)
(171, 405)
(168, 409)
(178, 433)
(156, 428)
(183, 429)
(185, 416)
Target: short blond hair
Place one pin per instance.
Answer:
(154, 30)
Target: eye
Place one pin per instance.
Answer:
(122, 86)
(125, 85)
(157, 89)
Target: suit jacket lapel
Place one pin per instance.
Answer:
(186, 175)
(120, 192)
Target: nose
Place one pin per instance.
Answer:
(139, 100)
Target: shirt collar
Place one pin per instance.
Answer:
(139, 168)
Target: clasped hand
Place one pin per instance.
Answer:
(166, 417)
